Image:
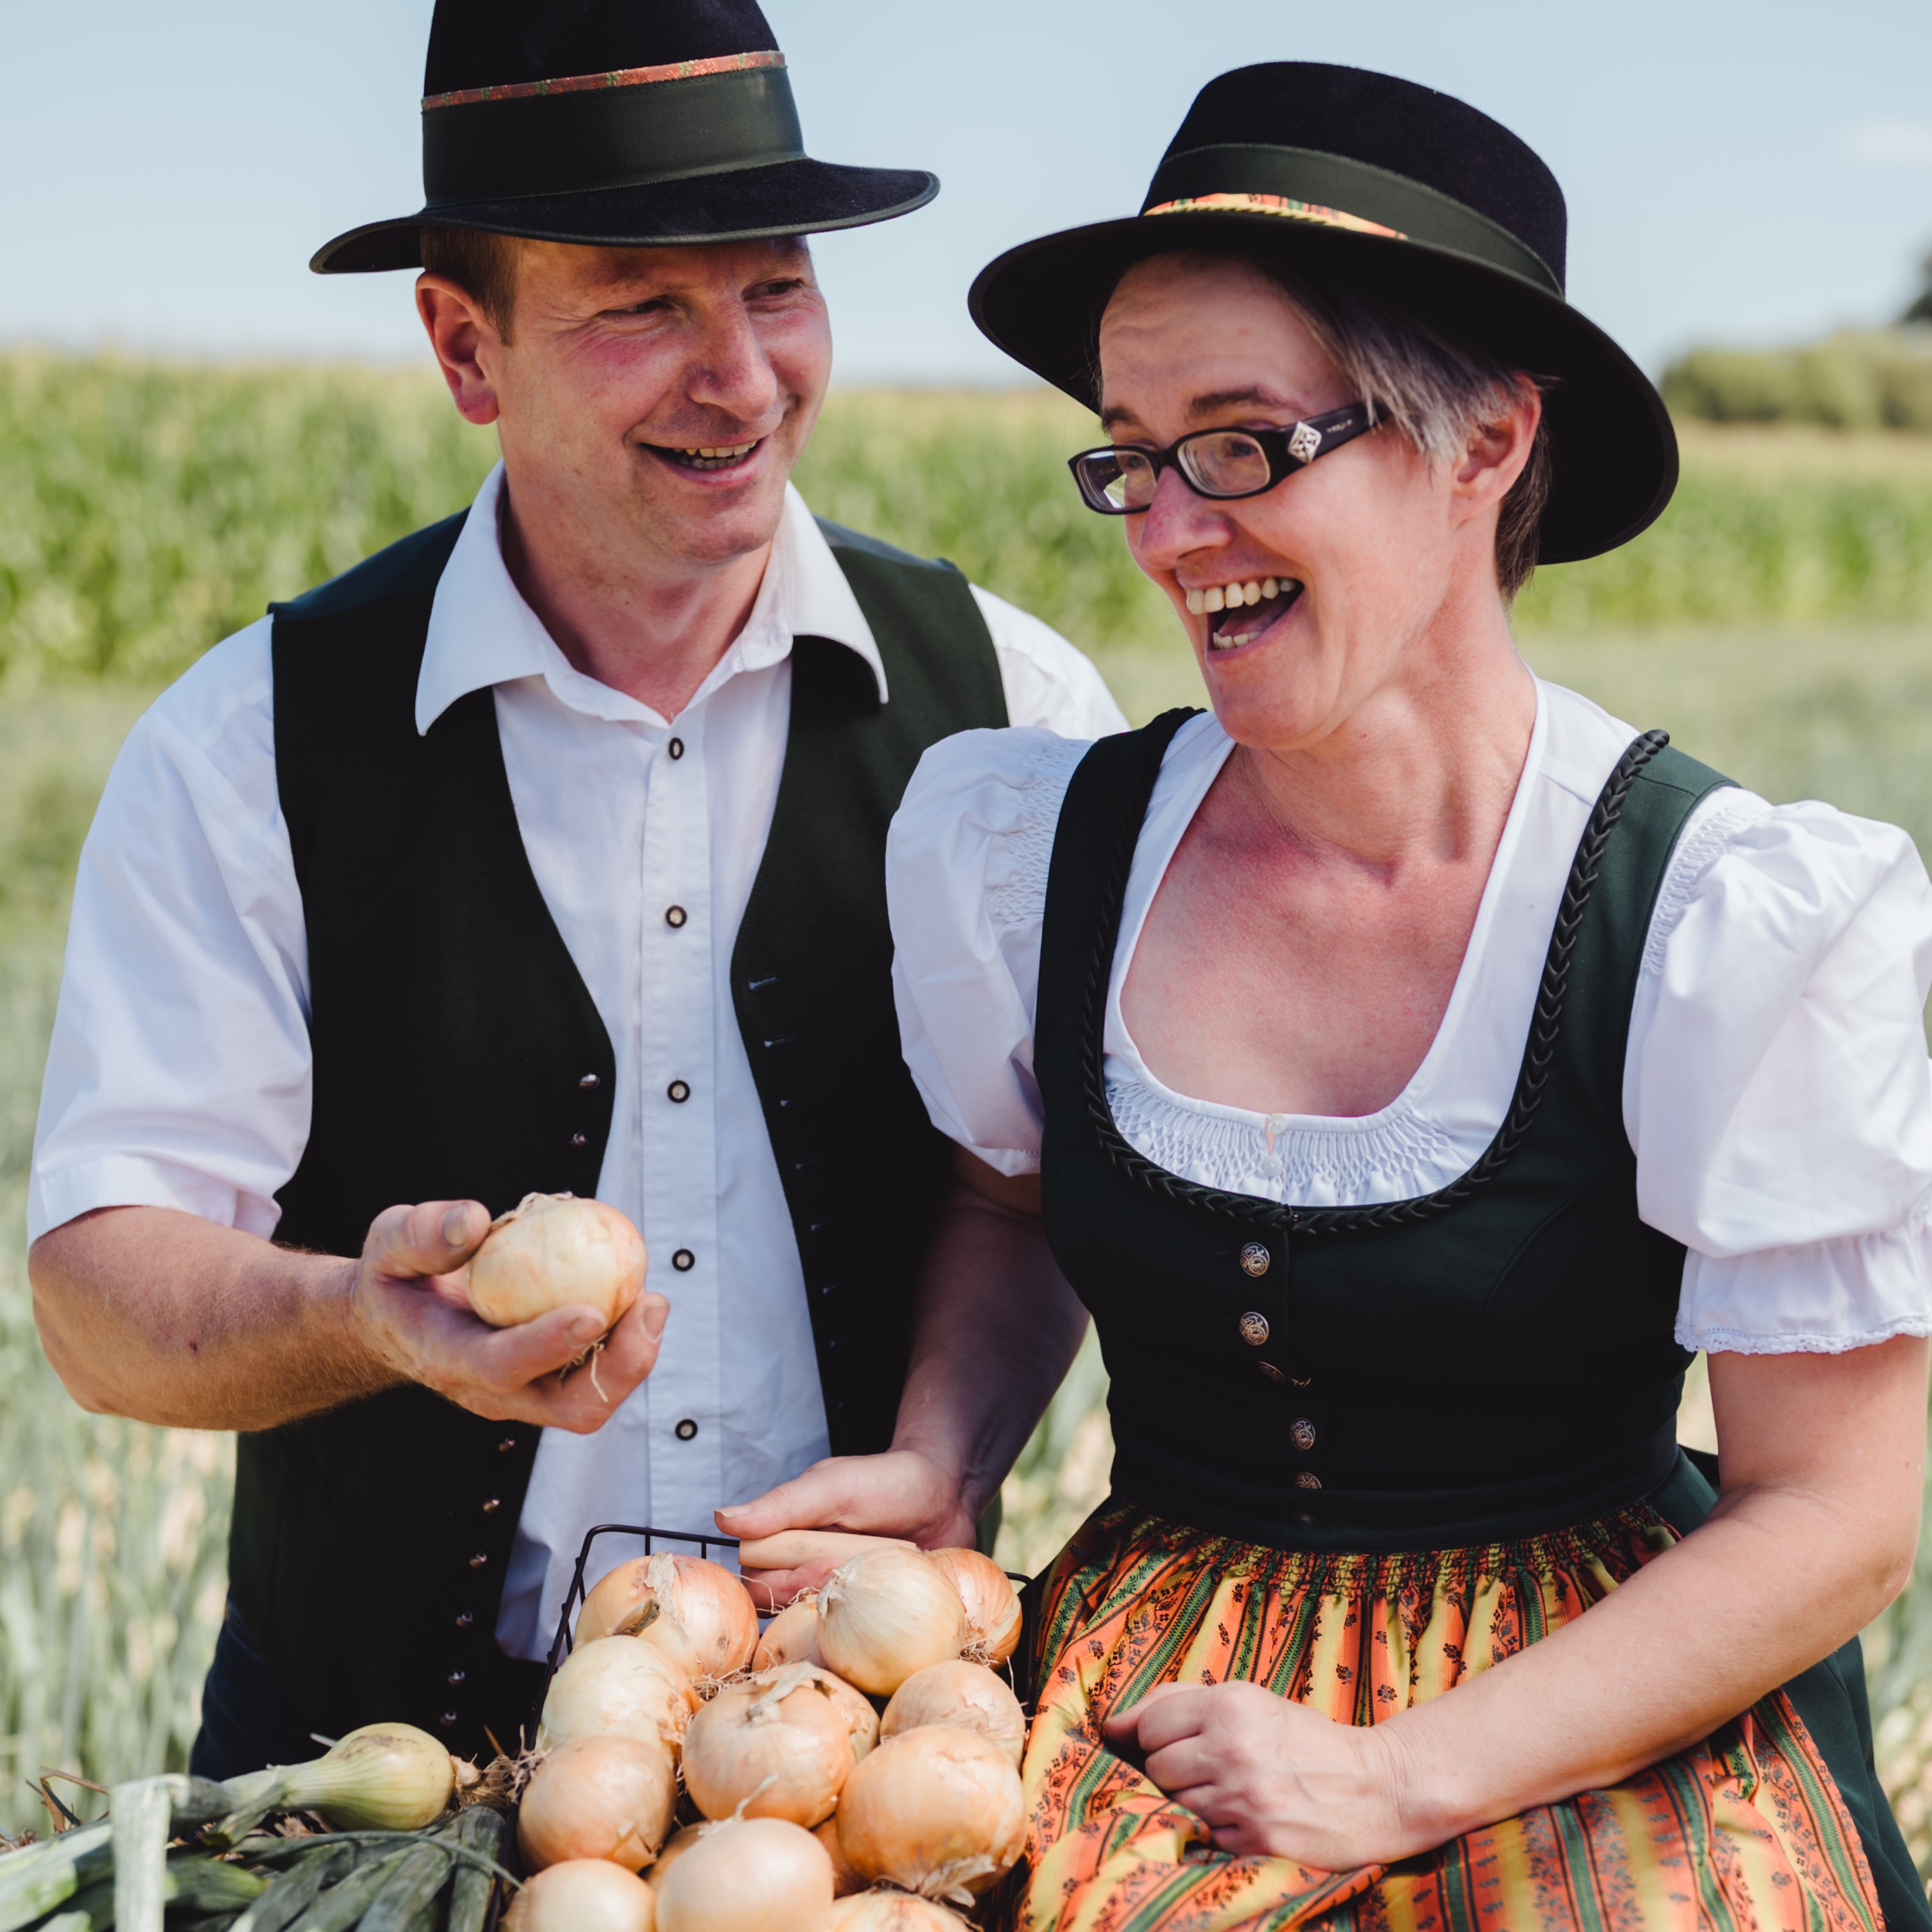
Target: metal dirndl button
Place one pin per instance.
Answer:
(1301, 1433)
(1254, 1327)
(1255, 1259)
(1273, 1374)
(1306, 1479)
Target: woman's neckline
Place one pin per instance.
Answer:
(1213, 748)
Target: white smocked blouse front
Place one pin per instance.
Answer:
(1776, 1092)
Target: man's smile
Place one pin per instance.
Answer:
(726, 457)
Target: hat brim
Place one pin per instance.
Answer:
(800, 197)
(1613, 449)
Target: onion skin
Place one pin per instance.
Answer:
(600, 1797)
(791, 1636)
(705, 1620)
(893, 1912)
(993, 1615)
(966, 1694)
(845, 1880)
(616, 1686)
(584, 1895)
(382, 1778)
(937, 1810)
(862, 1721)
(778, 1752)
(756, 1875)
(554, 1251)
(886, 1614)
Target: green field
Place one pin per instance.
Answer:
(144, 511)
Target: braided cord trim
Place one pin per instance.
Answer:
(1539, 1054)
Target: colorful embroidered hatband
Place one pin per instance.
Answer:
(1745, 1832)
(1275, 204)
(592, 83)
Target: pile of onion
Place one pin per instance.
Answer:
(779, 1746)
(583, 1895)
(887, 1613)
(600, 1797)
(992, 1604)
(554, 1251)
(748, 1875)
(695, 1611)
(616, 1686)
(893, 1912)
(938, 1810)
(968, 1695)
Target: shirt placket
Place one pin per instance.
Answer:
(677, 1143)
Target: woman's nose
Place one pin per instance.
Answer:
(1176, 523)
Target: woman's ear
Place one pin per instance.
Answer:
(1498, 453)
(466, 344)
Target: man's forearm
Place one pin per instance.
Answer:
(997, 1328)
(151, 1313)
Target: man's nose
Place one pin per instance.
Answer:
(730, 370)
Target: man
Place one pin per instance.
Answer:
(543, 852)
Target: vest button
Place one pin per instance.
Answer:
(1301, 1433)
(457, 1679)
(1255, 1260)
(509, 1443)
(464, 1619)
(492, 1505)
(1306, 1479)
(675, 916)
(479, 1560)
(588, 1083)
(684, 1260)
(580, 1140)
(1273, 1374)
(447, 1720)
(686, 1430)
(676, 748)
(679, 1091)
(1254, 1327)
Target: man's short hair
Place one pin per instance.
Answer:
(482, 264)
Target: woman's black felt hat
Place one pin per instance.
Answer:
(620, 123)
(1369, 183)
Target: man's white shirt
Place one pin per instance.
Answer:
(179, 1075)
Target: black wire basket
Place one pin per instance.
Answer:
(563, 1643)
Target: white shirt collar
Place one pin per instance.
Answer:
(481, 632)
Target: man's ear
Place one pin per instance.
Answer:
(1498, 453)
(467, 344)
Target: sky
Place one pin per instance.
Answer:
(1742, 173)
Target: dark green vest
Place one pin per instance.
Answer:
(1485, 1363)
(457, 1054)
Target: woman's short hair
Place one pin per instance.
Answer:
(1439, 394)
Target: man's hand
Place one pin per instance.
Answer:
(1271, 1777)
(903, 1493)
(411, 1304)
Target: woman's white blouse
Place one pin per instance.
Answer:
(1777, 1091)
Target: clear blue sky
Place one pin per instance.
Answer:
(1735, 172)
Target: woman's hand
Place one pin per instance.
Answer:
(1271, 1777)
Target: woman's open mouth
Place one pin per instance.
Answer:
(729, 457)
(1231, 604)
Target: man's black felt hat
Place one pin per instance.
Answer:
(623, 123)
(1369, 184)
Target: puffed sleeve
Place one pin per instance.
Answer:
(966, 867)
(1777, 1089)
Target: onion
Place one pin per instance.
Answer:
(600, 1797)
(992, 1604)
(584, 1895)
(966, 1694)
(893, 1912)
(696, 1612)
(862, 1721)
(554, 1251)
(938, 1810)
(772, 1748)
(886, 1614)
(616, 1686)
(383, 1777)
(751, 1875)
(679, 1842)
(845, 1879)
(792, 1635)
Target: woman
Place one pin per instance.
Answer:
(1419, 1063)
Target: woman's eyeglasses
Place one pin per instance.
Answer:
(1223, 463)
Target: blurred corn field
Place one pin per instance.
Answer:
(1778, 621)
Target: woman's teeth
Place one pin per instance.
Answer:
(1221, 597)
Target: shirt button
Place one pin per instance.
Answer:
(1277, 1123)
(676, 748)
(1273, 1166)
(1254, 1261)
(1306, 1479)
(684, 1260)
(686, 1429)
(675, 916)
(1301, 1433)
(679, 1091)
(1254, 1327)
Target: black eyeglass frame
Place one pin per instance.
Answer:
(1285, 451)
